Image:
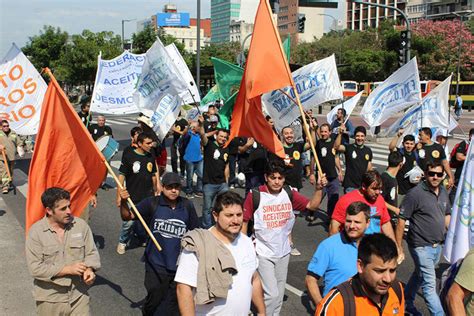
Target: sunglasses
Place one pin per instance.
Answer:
(5, 125)
(433, 173)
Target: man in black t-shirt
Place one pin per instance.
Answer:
(390, 184)
(138, 170)
(330, 165)
(358, 160)
(216, 170)
(410, 156)
(84, 113)
(252, 161)
(431, 151)
(100, 129)
(179, 129)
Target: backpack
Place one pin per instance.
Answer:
(453, 162)
(348, 298)
(183, 142)
(447, 279)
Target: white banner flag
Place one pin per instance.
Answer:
(159, 78)
(399, 91)
(432, 112)
(165, 114)
(316, 83)
(460, 236)
(22, 92)
(349, 106)
(115, 83)
(191, 95)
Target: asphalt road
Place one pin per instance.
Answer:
(119, 287)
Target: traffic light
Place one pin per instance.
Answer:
(404, 40)
(301, 20)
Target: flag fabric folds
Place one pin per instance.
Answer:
(287, 48)
(266, 70)
(460, 237)
(349, 106)
(65, 156)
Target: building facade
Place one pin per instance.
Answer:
(362, 16)
(223, 12)
(239, 30)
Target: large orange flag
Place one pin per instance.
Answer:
(65, 156)
(266, 70)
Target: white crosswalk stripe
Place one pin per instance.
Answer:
(380, 154)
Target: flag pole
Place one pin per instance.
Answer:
(305, 124)
(137, 213)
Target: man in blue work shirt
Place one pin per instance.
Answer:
(327, 261)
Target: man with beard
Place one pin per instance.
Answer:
(327, 261)
(169, 217)
(428, 208)
(369, 193)
(62, 258)
(217, 268)
(338, 122)
(358, 159)
(429, 151)
(374, 290)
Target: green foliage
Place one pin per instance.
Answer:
(226, 51)
(44, 49)
(143, 40)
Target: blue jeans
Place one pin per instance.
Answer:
(126, 232)
(425, 259)
(191, 168)
(210, 192)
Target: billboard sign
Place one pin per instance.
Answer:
(173, 19)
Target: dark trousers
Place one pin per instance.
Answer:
(332, 191)
(232, 167)
(160, 288)
(174, 159)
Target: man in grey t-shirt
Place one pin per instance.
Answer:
(428, 208)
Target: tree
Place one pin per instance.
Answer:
(143, 40)
(227, 51)
(44, 50)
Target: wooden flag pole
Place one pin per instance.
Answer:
(137, 213)
(306, 127)
(5, 161)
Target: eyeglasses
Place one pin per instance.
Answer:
(437, 174)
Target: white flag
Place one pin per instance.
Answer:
(159, 78)
(165, 114)
(316, 83)
(432, 112)
(115, 84)
(22, 92)
(460, 236)
(399, 91)
(349, 106)
(191, 95)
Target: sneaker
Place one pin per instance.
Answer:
(294, 251)
(232, 186)
(310, 218)
(121, 248)
(198, 194)
(5, 190)
(189, 195)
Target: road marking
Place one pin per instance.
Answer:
(115, 122)
(294, 290)
(381, 146)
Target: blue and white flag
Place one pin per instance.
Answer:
(316, 83)
(165, 114)
(115, 83)
(349, 106)
(160, 77)
(432, 112)
(460, 236)
(191, 95)
(399, 91)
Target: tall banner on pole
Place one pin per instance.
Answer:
(399, 91)
(22, 92)
(316, 83)
(460, 236)
(349, 106)
(115, 83)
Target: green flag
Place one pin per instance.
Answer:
(225, 112)
(228, 77)
(211, 96)
(287, 48)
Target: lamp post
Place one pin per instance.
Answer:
(335, 23)
(461, 15)
(241, 56)
(404, 16)
(123, 31)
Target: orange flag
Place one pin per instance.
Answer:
(266, 70)
(65, 156)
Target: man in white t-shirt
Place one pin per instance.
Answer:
(245, 285)
(273, 220)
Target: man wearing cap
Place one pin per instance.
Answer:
(169, 216)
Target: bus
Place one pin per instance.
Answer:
(427, 86)
(349, 88)
(364, 86)
(466, 91)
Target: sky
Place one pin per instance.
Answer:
(21, 19)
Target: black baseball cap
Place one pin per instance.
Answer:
(170, 178)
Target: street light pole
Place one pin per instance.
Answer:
(123, 32)
(335, 29)
(461, 15)
(404, 16)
